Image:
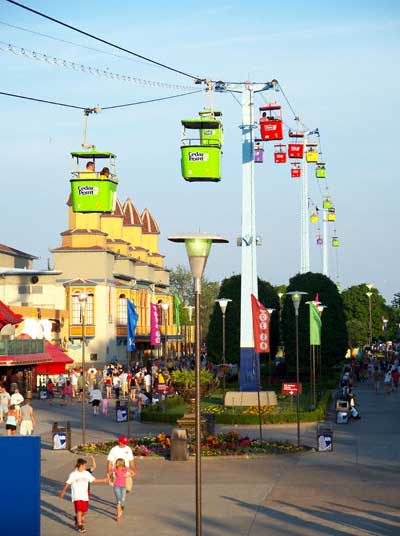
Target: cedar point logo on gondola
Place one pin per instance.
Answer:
(198, 157)
(88, 190)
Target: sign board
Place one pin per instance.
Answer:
(162, 388)
(292, 388)
(59, 441)
(122, 414)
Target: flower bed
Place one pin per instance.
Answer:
(229, 444)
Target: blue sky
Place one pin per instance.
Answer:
(336, 61)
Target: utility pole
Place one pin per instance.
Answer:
(304, 225)
(325, 250)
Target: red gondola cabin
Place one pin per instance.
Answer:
(280, 153)
(271, 127)
(296, 149)
(295, 172)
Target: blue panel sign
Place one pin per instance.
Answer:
(20, 473)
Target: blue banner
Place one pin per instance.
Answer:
(132, 323)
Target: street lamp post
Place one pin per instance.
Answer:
(321, 308)
(164, 308)
(223, 303)
(82, 302)
(270, 310)
(296, 298)
(190, 309)
(369, 294)
(198, 248)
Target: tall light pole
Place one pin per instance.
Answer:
(164, 308)
(190, 309)
(223, 303)
(369, 294)
(82, 302)
(270, 310)
(321, 308)
(198, 248)
(296, 298)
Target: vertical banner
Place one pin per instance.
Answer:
(177, 302)
(315, 325)
(261, 318)
(155, 334)
(132, 323)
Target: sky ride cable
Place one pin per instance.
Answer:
(75, 29)
(105, 108)
(87, 69)
(121, 56)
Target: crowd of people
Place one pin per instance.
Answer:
(16, 411)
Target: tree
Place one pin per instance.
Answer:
(333, 332)
(356, 306)
(230, 288)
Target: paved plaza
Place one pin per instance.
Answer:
(354, 490)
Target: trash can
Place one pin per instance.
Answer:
(342, 411)
(43, 392)
(324, 437)
(121, 411)
(179, 445)
(210, 423)
(61, 436)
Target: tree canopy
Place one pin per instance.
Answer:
(333, 332)
(356, 306)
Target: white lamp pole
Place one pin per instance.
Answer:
(296, 298)
(82, 302)
(223, 303)
(198, 248)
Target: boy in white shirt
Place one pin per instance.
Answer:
(79, 481)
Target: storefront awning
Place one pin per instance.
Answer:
(26, 359)
(56, 364)
(7, 316)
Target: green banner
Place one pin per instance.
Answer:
(315, 325)
(177, 302)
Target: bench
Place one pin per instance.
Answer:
(250, 398)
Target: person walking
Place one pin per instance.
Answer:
(79, 481)
(4, 402)
(122, 450)
(119, 475)
(388, 382)
(95, 398)
(28, 420)
(16, 400)
(12, 421)
(395, 378)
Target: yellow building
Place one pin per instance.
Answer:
(111, 257)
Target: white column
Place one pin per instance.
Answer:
(325, 243)
(248, 363)
(304, 219)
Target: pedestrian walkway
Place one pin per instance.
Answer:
(354, 490)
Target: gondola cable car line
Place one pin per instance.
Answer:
(105, 108)
(197, 79)
(79, 45)
(87, 69)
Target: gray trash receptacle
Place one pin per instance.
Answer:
(324, 437)
(179, 445)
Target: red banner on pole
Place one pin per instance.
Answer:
(261, 318)
(155, 334)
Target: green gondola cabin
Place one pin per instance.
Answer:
(320, 170)
(201, 155)
(93, 190)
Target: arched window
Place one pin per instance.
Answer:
(122, 310)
